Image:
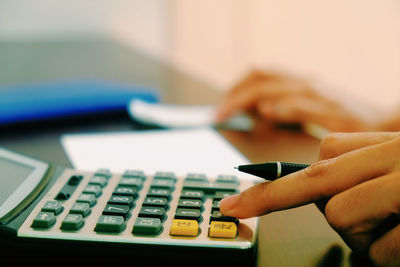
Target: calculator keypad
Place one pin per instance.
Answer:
(160, 207)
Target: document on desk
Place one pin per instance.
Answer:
(184, 116)
(199, 150)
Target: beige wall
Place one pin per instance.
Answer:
(351, 44)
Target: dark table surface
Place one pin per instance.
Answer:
(297, 237)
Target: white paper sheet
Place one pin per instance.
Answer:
(184, 116)
(200, 150)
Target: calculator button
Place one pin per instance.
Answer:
(184, 227)
(107, 223)
(44, 219)
(126, 191)
(75, 179)
(80, 208)
(122, 200)
(227, 179)
(117, 210)
(196, 177)
(134, 174)
(147, 226)
(163, 183)
(215, 205)
(165, 176)
(216, 215)
(53, 206)
(131, 182)
(194, 194)
(155, 202)
(87, 198)
(159, 192)
(104, 173)
(210, 188)
(223, 229)
(92, 189)
(63, 195)
(72, 222)
(152, 212)
(220, 195)
(187, 214)
(98, 180)
(190, 203)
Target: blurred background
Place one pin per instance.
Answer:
(354, 45)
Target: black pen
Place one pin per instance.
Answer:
(271, 170)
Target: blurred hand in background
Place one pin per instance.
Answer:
(278, 98)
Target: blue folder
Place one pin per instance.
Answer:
(29, 102)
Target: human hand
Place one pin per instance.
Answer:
(282, 99)
(356, 185)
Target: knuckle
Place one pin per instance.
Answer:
(385, 255)
(319, 169)
(329, 144)
(334, 214)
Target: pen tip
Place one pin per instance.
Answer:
(236, 168)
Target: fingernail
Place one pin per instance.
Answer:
(228, 204)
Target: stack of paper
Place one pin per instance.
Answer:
(200, 150)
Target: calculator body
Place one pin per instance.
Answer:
(51, 213)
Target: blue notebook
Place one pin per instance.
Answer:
(50, 100)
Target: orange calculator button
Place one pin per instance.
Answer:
(184, 227)
(223, 229)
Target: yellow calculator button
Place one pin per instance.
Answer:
(184, 227)
(223, 229)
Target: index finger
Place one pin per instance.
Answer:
(319, 181)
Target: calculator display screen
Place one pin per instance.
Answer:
(12, 174)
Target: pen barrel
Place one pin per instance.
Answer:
(288, 168)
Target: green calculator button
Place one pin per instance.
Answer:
(188, 214)
(163, 183)
(87, 198)
(196, 177)
(72, 222)
(220, 195)
(117, 210)
(152, 212)
(147, 226)
(192, 194)
(80, 208)
(93, 189)
(98, 180)
(110, 223)
(159, 192)
(134, 174)
(44, 219)
(131, 182)
(165, 175)
(53, 206)
(227, 179)
(216, 215)
(210, 188)
(215, 205)
(126, 191)
(190, 203)
(103, 172)
(155, 202)
(122, 200)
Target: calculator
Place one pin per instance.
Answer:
(54, 212)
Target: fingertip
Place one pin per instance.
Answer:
(227, 205)
(222, 113)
